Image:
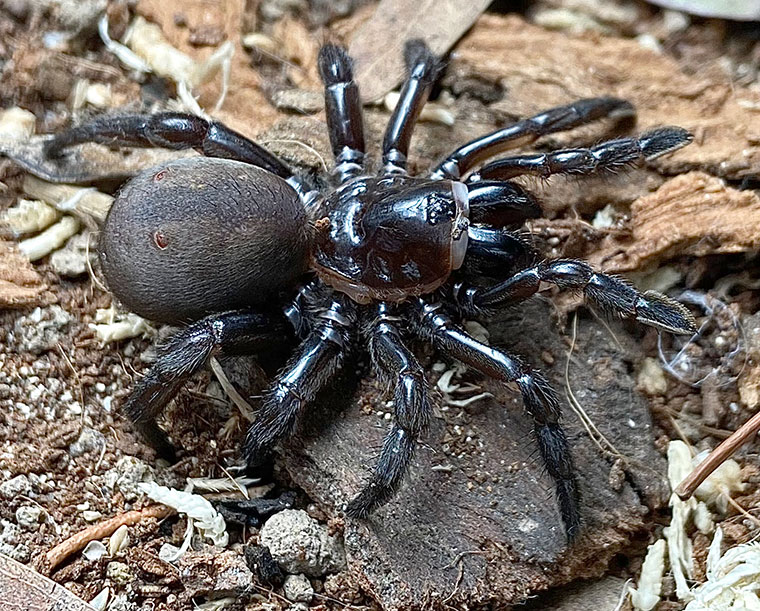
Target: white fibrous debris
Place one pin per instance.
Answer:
(461, 394)
(721, 485)
(679, 544)
(219, 484)
(81, 201)
(432, 112)
(29, 216)
(217, 604)
(147, 50)
(119, 540)
(94, 551)
(733, 579)
(113, 326)
(646, 596)
(16, 124)
(95, 94)
(606, 217)
(49, 240)
(100, 602)
(200, 514)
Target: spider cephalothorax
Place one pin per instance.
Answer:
(243, 251)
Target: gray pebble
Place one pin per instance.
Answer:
(300, 544)
(89, 440)
(297, 588)
(30, 517)
(15, 486)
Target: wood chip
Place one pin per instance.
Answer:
(24, 588)
(694, 214)
(20, 285)
(378, 47)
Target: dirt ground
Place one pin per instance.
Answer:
(475, 525)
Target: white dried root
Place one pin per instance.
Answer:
(49, 240)
(733, 579)
(16, 124)
(200, 514)
(85, 202)
(29, 216)
(85, 93)
(145, 49)
(112, 326)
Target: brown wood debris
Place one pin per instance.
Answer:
(20, 285)
(692, 214)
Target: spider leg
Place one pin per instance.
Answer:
(496, 252)
(172, 130)
(422, 70)
(186, 352)
(466, 157)
(610, 156)
(611, 294)
(397, 366)
(344, 111)
(319, 358)
(538, 396)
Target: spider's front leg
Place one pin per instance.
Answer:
(610, 293)
(607, 156)
(538, 396)
(186, 352)
(319, 358)
(397, 367)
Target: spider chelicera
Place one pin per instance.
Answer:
(242, 251)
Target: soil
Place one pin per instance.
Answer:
(475, 525)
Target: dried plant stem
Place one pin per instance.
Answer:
(718, 456)
(106, 528)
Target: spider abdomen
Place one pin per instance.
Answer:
(202, 235)
(393, 237)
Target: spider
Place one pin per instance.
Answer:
(242, 251)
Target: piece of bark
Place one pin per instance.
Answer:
(476, 521)
(20, 284)
(693, 214)
(378, 46)
(539, 69)
(24, 588)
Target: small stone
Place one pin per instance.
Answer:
(300, 544)
(16, 486)
(29, 517)
(71, 260)
(119, 573)
(210, 573)
(125, 476)
(297, 588)
(39, 331)
(651, 378)
(89, 440)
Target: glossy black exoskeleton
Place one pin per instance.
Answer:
(244, 251)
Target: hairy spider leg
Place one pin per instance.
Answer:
(344, 111)
(539, 399)
(422, 70)
(496, 253)
(317, 361)
(398, 368)
(611, 294)
(186, 352)
(607, 156)
(456, 165)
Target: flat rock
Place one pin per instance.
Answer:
(476, 522)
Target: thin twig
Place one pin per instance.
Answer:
(718, 456)
(103, 529)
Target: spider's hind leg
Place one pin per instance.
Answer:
(186, 352)
(399, 368)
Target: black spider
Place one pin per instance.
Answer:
(378, 257)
